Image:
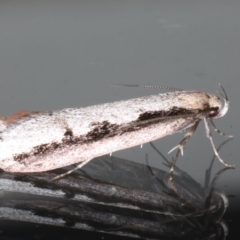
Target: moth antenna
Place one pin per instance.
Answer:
(224, 109)
(148, 86)
(225, 94)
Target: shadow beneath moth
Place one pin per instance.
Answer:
(42, 141)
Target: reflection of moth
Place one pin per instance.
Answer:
(114, 193)
(41, 141)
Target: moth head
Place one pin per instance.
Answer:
(217, 109)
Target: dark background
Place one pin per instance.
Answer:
(57, 54)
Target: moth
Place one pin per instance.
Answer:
(42, 141)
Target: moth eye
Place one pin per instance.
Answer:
(214, 112)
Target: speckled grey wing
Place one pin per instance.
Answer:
(49, 140)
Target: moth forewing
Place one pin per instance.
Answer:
(42, 141)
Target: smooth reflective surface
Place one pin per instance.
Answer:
(114, 197)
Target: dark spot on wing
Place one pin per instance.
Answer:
(43, 148)
(19, 157)
(68, 133)
(38, 151)
(173, 112)
(101, 130)
(55, 145)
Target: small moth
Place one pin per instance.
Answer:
(42, 141)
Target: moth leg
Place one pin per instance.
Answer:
(208, 133)
(180, 149)
(181, 145)
(72, 170)
(218, 131)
